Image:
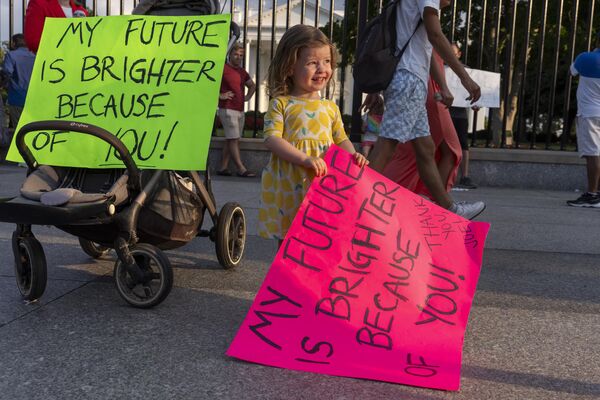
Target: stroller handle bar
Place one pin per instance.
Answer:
(72, 126)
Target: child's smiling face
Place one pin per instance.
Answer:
(311, 72)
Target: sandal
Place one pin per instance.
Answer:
(246, 174)
(224, 172)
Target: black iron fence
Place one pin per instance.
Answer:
(531, 43)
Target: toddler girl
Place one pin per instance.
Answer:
(299, 126)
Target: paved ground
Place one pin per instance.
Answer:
(533, 330)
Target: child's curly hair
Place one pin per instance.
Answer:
(295, 39)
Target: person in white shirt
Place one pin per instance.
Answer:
(587, 66)
(405, 117)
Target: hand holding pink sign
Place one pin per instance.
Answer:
(371, 281)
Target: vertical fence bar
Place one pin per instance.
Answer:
(465, 53)
(590, 24)
(331, 7)
(496, 67)
(245, 28)
(11, 21)
(521, 120)
(538, 81)
(24, 9)
(302, 11)
(479, 63)
(363, 6)
(482, 34)
(288, 15)
(467, 33)
(258, 43)
(273, 33)
(453, 22)
(512, 6)
(344, 55)
(330, 35)
(554, 74)
(317, 13)
(567, 102)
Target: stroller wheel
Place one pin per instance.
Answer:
(93, 249)
(30, 266)
(151, 284)
(231, 235)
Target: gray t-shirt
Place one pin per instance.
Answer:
(417, 56)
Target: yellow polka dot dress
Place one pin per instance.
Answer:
(311, 126)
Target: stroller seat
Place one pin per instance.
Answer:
(61, 196)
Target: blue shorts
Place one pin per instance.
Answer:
(405, 116)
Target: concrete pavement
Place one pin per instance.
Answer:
(532, 334)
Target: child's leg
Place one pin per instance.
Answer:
(428, 172)
(382, 152)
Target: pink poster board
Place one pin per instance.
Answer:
(372, 281)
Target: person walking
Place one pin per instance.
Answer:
(405, 116)
(17, 68)
(38, 10)
(402, 168)
(460, 120)
(231, 110)
(587, 66)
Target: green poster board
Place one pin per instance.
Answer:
(151, 81)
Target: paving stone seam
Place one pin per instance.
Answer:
(42, 305)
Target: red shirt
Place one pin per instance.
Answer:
(37, 11)
(234, 79)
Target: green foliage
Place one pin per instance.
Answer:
(482, 55)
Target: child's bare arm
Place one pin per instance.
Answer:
(284, 150)
(358, 157)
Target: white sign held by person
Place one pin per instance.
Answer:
(488, 81)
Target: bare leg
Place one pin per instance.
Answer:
(234, 151)
(593, 173)
(446, 162)
(424, 153)
(464, 164)
(382, 153)
(225, 156)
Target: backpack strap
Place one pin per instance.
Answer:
(411, 36)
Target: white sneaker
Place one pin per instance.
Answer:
(467, 210)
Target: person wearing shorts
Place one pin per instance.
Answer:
(586, 65)
(231, 110)
(405, 116)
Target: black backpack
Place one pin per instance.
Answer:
(376, 54)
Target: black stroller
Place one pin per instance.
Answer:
(137, 213)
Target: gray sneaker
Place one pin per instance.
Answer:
(467, 210)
